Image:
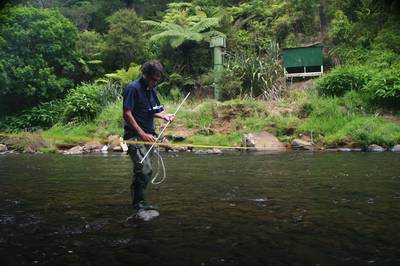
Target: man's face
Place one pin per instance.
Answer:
(152, 80)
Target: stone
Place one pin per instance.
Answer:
(143, 215)
(92, 146)
(302, 145)
(123, 145)
(349, 149)
(113, 141)
(209, 151)
(75, 150)
(396, 148)
(117, 149)
(262, 141)
(178, 138)
(3, 148)
(375, 148)
(104, 149)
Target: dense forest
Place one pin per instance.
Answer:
(61, 62)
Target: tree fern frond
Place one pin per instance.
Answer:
(207, 35)
(177, 41)
(205, 24)
(151, 23)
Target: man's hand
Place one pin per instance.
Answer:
(169, 117)
(147, 137)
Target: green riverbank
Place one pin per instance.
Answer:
(328, 122)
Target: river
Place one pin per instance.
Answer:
(291, 208)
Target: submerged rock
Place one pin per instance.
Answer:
(375, 148)
(262, 141)
(349, 149)
(209, 151)
(396, 148)
(142, 215)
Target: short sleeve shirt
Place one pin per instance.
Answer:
(139, 100)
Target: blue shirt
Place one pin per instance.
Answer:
(140, 100)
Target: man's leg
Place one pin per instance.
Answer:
(141, 173)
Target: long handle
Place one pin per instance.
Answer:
(162, 131)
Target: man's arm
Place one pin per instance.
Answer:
(128, 117)
(163, 115)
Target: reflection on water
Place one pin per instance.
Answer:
(234, 209)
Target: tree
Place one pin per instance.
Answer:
(124, 40)
(182, 35)
(90, 47)
(37, 56)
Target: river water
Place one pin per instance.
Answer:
(232, 209)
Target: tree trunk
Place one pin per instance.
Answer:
(323, 19)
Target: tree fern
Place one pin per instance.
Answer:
(205, 24)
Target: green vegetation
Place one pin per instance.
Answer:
(37, 56)
(63, 66)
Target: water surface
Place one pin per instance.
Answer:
(234, 209)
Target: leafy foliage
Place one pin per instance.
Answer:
(85, 101)
(90, 47)
(257, 73)
(125, 76)
(384, 88)
(37, 56)
(343, 79)
(124, 41)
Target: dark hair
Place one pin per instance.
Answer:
(150, 68)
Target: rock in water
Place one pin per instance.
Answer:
(147, 215)
(143, 215)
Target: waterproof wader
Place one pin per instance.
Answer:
(141, 172)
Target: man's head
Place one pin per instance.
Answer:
(152, 71)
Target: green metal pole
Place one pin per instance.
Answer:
(218, 71)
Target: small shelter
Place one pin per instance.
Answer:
(303, 61)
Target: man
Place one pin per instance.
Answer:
(140, 106)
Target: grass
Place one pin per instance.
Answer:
(336, 122)
(331, 121)
(233, 139)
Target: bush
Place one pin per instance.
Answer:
(343, 79)
(363, 131)
(126, 76)
(42, 116)
(82, 103)
(384, 88)
(257, 73)
(174, 86)
(37, 56)
(341, 28)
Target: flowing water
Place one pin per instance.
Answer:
(232, 209)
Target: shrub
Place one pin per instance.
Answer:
(45, 115)
(174, 86)
(343, 79)
(257, 73)
(42, 116)
(356, 101)
(82, 103)
(384, 88)
(364, 130)
(37, 56)
(340, 29)
(126, 76)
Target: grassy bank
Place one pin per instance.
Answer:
(328, 121)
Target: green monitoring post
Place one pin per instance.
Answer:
(218, 42)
